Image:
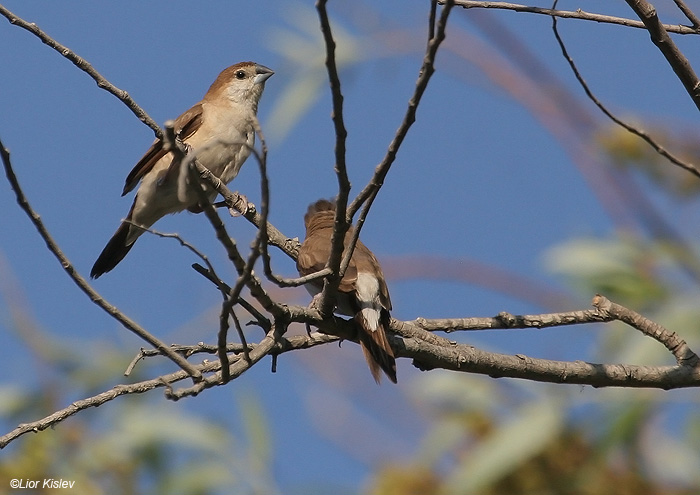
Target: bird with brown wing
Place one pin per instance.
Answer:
(362, 292)
(219, 129)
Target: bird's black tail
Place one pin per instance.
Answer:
(113, 253)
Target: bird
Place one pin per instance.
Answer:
(362, 292)
(219, 129)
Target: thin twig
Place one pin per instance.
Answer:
(178, 238)
(678, 347)
(369, 193)
(296, 282)
(426, 71)
(86, 67)
(68, 267)
(630, 128)
(262, 321)
(692, 17)
(296, 342)
(577, 14)
(431, 19)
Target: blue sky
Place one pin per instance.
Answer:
(479, 178)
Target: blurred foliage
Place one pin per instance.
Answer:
(139, 444)
(630, 152)
(624, 269)
(532, 440)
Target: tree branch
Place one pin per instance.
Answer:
(659, 36)
(85, 66)
(688, 13)
(431, 351)
(465, 358)
(436, 36)
(426, 71)
(634, 130)
(578, 14)
(68, 267)
(285, 345)
(342, 220)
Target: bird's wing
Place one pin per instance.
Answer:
(185, 126)
(313, 255)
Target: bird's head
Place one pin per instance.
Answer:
(241, 83)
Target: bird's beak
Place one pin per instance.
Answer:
(263, 73)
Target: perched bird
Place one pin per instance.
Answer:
(362, 292)
(219, 129)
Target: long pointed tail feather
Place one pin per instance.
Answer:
(375, 346)
(113, 253)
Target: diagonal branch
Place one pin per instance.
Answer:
(85, 66)
(94, 296)
(284, 345)
(659, 36)
(630, 128)
(369, 193)
(426, 71)
(692, 17)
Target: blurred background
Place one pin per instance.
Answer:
(512, 192)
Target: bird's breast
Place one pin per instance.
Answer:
(224, 144)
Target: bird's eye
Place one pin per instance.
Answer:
(240, 74)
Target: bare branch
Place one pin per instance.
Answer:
(659, 36)
(577, 14)
(68, 267)
(465, 358)
(289, 344)
(426, 71)
(692, 17)
(341, 133)
(261, 320)
(678, 347)
(630, 128)
(603, 311)
(430, 351)
(85, 66)
(342, 221)
(369, 193)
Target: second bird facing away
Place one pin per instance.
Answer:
(219, 129)
(362, 292)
